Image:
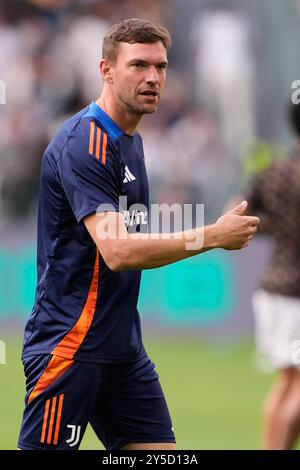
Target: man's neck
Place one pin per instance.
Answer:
(127, 122)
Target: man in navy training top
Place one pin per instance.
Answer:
(83, 354)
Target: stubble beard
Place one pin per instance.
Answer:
(131, 106)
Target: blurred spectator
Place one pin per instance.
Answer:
(275, 193)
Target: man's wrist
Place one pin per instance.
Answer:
(212, 237)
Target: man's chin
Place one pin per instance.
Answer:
(141, 109)
(148, 109)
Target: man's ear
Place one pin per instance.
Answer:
(105, 70)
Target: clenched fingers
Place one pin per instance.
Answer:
(253, 220)
(252, 230)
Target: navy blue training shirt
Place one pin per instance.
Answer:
(83, 310)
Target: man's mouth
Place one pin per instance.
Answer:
(149, 93)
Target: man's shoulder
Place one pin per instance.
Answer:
(84, 133)
(92, 132)
(70, 127)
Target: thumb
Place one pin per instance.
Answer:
(240, 209)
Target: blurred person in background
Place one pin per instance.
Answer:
(275, 195)
(83, 353)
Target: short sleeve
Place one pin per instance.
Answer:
(88, 170)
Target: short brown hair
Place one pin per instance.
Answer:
(133, 30)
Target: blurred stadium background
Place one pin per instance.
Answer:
(232, 65)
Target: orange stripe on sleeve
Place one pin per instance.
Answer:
(104, 148)
(98, 143)
(51, 420)
(45, 421)
(92, 136)
(56, 367)
(60, 405)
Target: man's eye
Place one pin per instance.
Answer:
(162, 67)
(139, 65)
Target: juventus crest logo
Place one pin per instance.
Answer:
(75, 435)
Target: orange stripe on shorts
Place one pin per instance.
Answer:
(51, 420)
(45, 421)
(60, 405)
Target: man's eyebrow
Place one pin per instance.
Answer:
(142, 61)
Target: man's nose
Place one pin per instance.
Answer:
(152, 75)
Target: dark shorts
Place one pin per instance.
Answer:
(124, 403)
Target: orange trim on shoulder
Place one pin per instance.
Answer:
(60, 405)
(104, 148)
(56, 367)
(97, 155)
(92, 136)
(70, 344)
(45, 421)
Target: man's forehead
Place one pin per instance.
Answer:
(147, 52)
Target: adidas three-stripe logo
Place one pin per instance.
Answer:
(128, 175)
(51, 421)
(97, 143)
